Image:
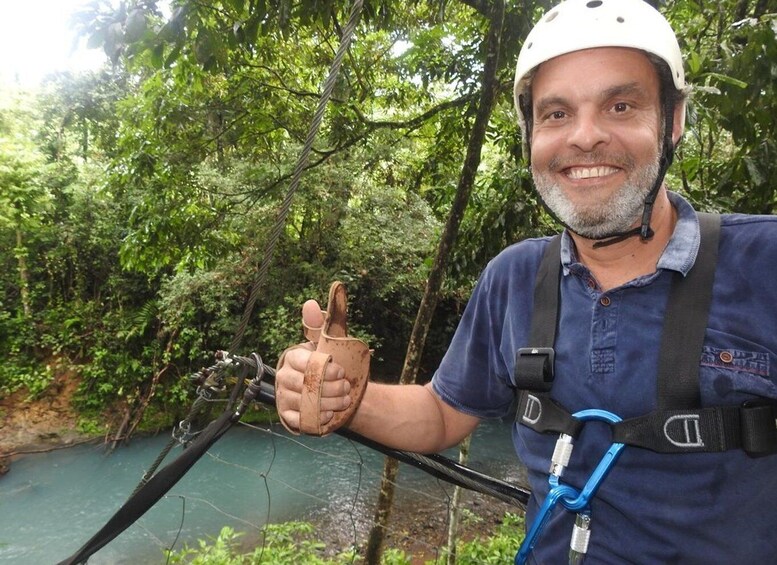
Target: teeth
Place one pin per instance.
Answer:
(590, 172)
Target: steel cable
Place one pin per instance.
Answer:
(302, 161)
(280, 220)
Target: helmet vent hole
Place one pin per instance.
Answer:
(552, 16)
(594, 4)
(620, 19)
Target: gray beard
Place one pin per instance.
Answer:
(596, 220)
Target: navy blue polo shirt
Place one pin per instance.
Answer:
(706, 508)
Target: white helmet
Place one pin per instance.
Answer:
(575, 25)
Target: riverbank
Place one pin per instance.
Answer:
(34, 425)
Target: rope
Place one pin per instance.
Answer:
(302, 161)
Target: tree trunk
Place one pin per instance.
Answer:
(453, 516)
(24, 275)
(490, 85)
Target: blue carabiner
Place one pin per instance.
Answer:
(571, 498)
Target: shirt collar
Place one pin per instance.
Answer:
(679, 254)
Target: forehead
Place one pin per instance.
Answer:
(593, 71)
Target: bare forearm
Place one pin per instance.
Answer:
(410, 417)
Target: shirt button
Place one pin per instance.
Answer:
(726, 356)
(591, 283)
(605, 301)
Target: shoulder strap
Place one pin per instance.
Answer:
(547, 295)
(685, 323)
(534, 364)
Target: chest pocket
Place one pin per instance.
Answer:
(735, 372)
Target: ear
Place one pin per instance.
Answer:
(678, 124)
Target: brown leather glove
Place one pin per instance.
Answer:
(332, 344)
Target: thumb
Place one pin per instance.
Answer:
(312, 316)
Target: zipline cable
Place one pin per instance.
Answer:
(283, 212)
(436, 465)
(302, 161)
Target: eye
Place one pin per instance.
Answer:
(620, 107)
(557, 115)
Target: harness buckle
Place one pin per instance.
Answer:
(534, 368)
(758, 422)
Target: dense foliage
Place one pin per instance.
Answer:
(295, 542)
(136, 202)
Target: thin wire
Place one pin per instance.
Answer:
(360, 467)
(224, 512)
(151, 534)
(363, 469)
(266, 476)
(180, 527)
(269, 497)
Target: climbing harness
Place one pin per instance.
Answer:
(678, 425)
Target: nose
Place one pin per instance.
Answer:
(588, 131)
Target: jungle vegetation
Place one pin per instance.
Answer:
(136, 201)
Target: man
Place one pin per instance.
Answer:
(600, 94)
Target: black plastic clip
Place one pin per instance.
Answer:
(758, 421)
(534, 368)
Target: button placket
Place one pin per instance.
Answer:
(603, 335)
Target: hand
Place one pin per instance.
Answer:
(289, 378)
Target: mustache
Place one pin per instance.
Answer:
(559, 163)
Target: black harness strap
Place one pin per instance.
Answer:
(544, 320)
(685, 323)
(534, 366)
(678, 425)
(750, 427)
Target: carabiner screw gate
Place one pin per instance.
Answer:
(561, 455)
(581, 535)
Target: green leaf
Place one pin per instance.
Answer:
(238, 6)
(157, 56)
(728, 80)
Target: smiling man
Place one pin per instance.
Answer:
(644, 311)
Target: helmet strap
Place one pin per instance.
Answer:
(644, 231)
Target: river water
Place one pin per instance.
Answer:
(51, 503)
